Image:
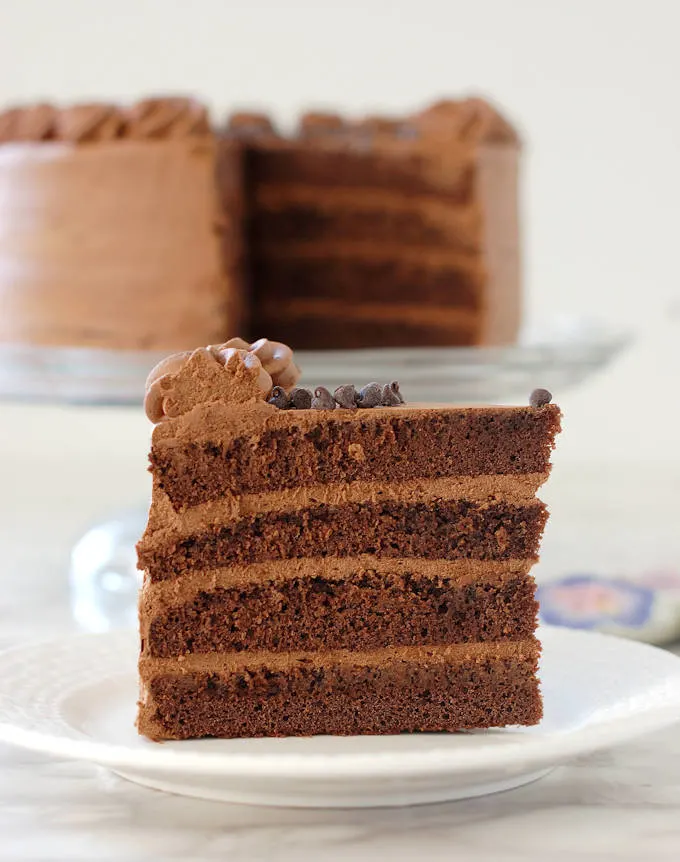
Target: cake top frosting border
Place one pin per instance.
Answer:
(469, 121)
(159, 118)
(259, 375)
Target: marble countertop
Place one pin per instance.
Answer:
(619, 805)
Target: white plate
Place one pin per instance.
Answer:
(556, 355)
(76, 698)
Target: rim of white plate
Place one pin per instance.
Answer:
(521, 750)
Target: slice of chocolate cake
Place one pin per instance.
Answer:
(335, 564)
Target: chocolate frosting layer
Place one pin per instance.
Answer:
(464, 122)
(230, 662)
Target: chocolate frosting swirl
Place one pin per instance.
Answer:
(85, 123)
(156, 390)
(233, 372)
(81, 123)
(33, 123)
(249, 125)
(167, 118)
(318, 122)
(277, 360)
(184, 380)
(470, 120)
(379, 125)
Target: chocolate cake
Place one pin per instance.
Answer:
(347, 234)
(342, 563)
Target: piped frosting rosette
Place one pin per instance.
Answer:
(235, 371)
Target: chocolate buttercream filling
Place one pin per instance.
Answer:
(237, 661)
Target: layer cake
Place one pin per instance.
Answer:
(335, 564)
(348, 233)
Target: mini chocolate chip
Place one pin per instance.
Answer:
(279, 398)
(540, 397)
(346, 396)
(323, 400)
(300, 399)
(394, 386)
(389, 397)
(369, 396)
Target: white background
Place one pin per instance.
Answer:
(593, 84)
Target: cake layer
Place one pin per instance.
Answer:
(288, 221)
(440, 529)
(404, 168)
(316, 331)
(391, 280)
(169, 523)
(389, 691)
(204, 457)
(406, 215)
(364, 611)
(364, 249)
(324, 315)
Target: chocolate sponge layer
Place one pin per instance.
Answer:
(426, 444)
(390, 281)
(317, 331)
(344, 699)
(294, 221)
(445, 530)
(368, 610)
(345, 169)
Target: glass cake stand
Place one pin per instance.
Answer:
(555, 356)
(103, 575)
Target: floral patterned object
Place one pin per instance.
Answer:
(584, 601)
(645, 607)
